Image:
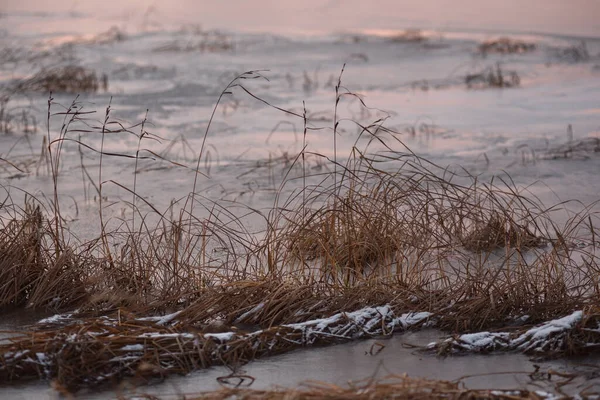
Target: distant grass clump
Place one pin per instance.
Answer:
(573, 54)
(15, 119)
(200, 41)
(65, 79)
(492, 77)
(409, 36)
(505, 45)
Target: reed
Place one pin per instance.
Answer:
(379, 229)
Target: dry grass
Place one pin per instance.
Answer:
(396, 387)
(492, 77)
(14, 119)
(35, 269)
(505, 45)
(198, 40)
(409, 36)
(64, 79)
(573, 54)
(99, 351)
(378, 228)
(573, 335)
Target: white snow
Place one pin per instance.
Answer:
(539, 338)
(161, 319)
(133, 347)
(55, 319)
(157, 335)
(223, 337)
(409, 319)
(254, 310)
(542, 333)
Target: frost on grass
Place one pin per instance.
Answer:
(574, 333)
(161, 320)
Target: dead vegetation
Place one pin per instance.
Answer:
(505, 45)
(572, 335)
(35, 270)
(391, 387)
(354, 252)
(409, 36)
(65, 79)
(581, 149)
(199, 40)
(113, 35)
(573, 54)
(492, 77)
(14, 119)
(99, 351)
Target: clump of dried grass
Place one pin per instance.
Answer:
(201, 41)
(505, 45)
(492, 77)
(501, 232)
(572, 335)
(113, 35)
(409, 36)
(64, 79)
(37, 270)
(574, 149)
(573, 54)
(15, 119)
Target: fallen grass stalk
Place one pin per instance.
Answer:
(574, 334)
(97, 351)
(396, 387)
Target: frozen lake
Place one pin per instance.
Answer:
(172, 61)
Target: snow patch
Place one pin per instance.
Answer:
(254, 310)
(161, 319)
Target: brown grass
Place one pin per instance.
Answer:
(33, 272)
(492, 77)
(376, 228)
(198, 40)
(65, 79)
(100, 350)
(409, 36)
(396, 387)
(505, 45)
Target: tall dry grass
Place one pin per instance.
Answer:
(379, 226)
(381, 215)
